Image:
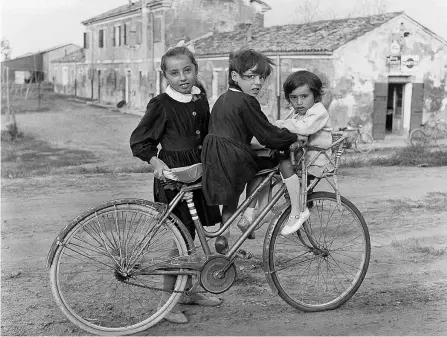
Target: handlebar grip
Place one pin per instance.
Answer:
(292, 158)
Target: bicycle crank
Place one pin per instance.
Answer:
(211, 277)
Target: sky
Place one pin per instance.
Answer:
(33, 25)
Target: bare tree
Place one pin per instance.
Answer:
(372, 7)
(308, 11)
(6, 50)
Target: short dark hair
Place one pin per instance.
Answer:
(244, 59)
(177, 51)
(300, 78)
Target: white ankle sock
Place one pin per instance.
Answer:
(293, 187)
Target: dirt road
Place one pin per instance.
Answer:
(404, 292)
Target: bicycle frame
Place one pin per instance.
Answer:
(185, 193)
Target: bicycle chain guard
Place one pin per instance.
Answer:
(212, 280)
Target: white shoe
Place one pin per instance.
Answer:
(295, 222)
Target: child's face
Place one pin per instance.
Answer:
(249, 82)
(302, 98)
(181, 73)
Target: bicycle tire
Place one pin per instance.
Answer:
(418, 138)
(304, 290)
(364, 143)
(94, 249)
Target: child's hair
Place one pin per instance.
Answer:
(177, 51)
(300, 78)
(245, 59)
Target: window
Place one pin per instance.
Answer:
(125, 34)
(157, 29)
(117, 36)
(101, 38)
(85, 40)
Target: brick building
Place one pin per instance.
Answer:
(123, 47)
(36, 66)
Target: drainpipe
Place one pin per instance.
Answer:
(92, 71)
(278, 86)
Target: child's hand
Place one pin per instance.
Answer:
(279, 123)
(159, 166)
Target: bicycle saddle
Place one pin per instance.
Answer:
(185, 174)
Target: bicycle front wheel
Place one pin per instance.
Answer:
(321, 266)
(98, 273)
(418, 138)
(364, 143)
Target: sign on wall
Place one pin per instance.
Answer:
(395, 48)
(409, 62)
(394, 63)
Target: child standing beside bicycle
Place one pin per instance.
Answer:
(178, 121)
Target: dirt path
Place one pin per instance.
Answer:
(404, 292)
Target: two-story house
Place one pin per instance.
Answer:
(123, 47)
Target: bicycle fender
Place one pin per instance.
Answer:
(59, 241)
(265, 249)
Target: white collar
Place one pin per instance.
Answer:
(234, 89)
(182, 98)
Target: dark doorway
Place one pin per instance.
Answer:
(394, 107)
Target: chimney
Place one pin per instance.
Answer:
(130, 2)
(258, 21)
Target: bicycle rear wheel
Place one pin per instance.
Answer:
(364, 143)
(418, 138)
(98, 271)
(321, 267)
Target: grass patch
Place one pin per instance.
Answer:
(414, 245)
(405, 156)
(27, 156)
(434, 201)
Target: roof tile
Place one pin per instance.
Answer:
(320, 36)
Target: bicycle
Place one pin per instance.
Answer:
(362, 141)
(107, 264)
(429, 133)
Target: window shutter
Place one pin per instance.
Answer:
(132, 35)
(139, 33)
(157, 29)
(125, 34)
(101, 38)
(119, 35)
(85, 41)
(114, 37)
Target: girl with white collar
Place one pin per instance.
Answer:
(178, 121)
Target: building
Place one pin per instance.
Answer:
(386, 72)
(36, 66)
(123, 47)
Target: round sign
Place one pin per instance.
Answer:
(410, 63)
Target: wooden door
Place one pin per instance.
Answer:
(379, 112)
(417, 103)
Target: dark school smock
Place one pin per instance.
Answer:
(228, 159)
(180, 128)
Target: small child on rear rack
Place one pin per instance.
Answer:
(309, 118)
